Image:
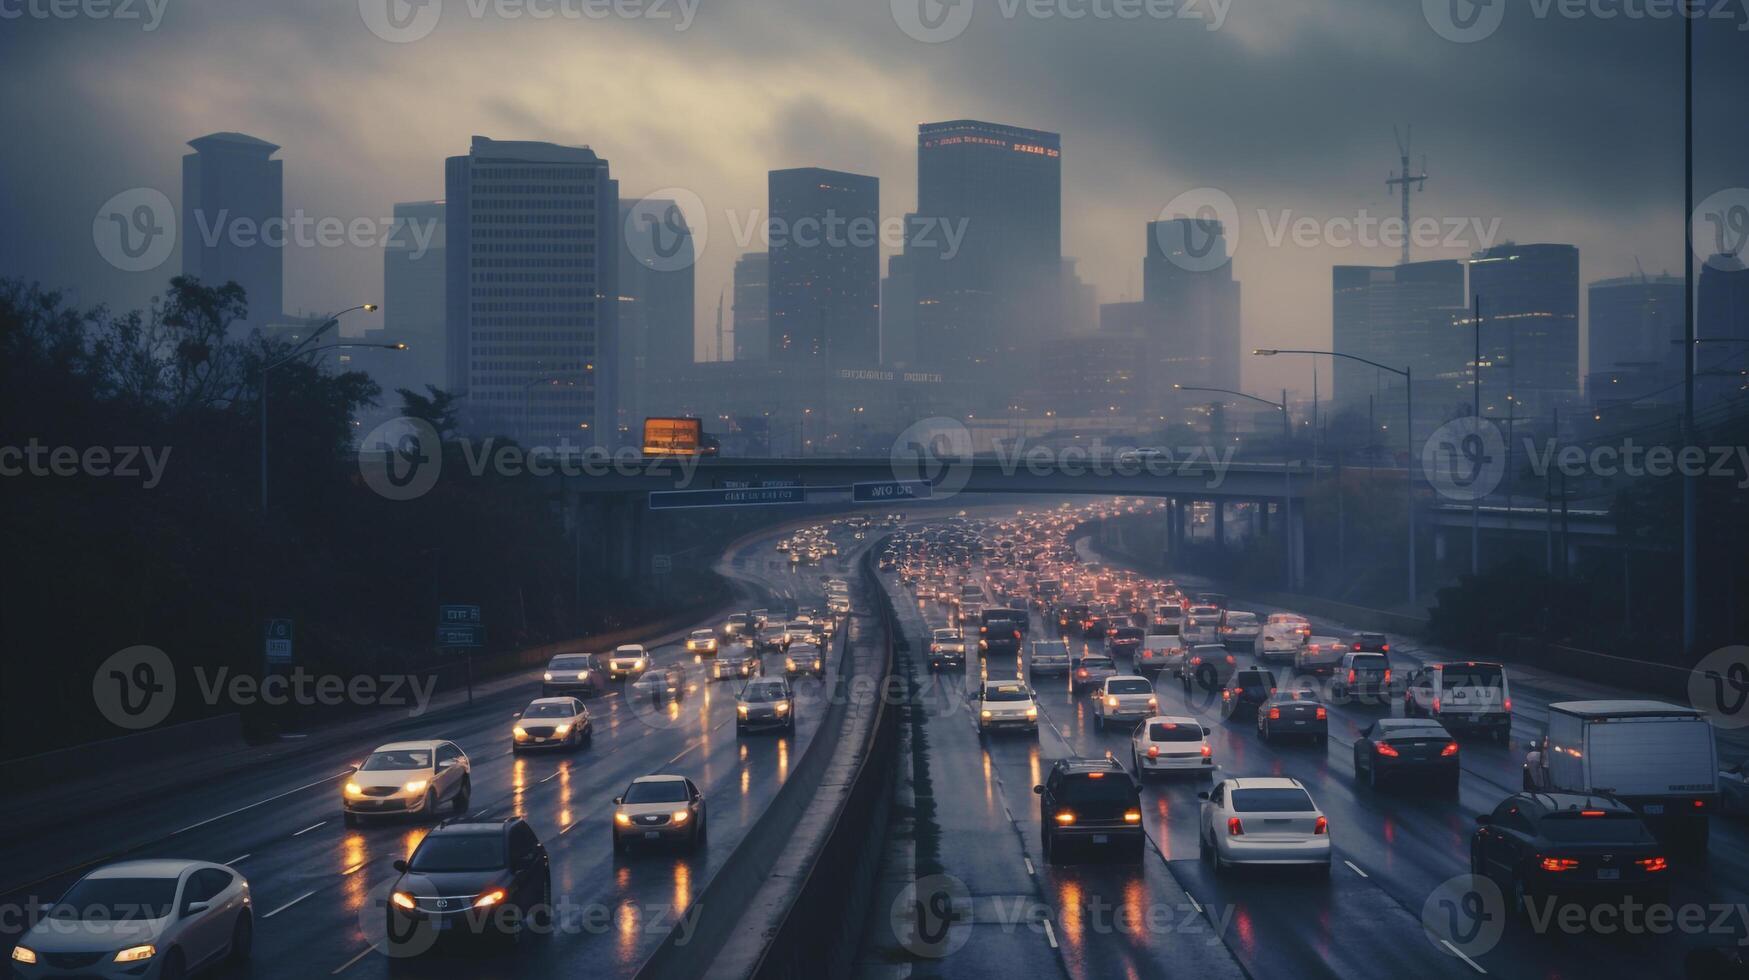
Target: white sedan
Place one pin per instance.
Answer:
(159, 918)
(1006, 706)
(1266, 820)
(1171, 743)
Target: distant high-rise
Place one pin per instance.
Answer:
(825, 266)
(991, 298)
(753, 307)
(1634, 339)
(231, 191)
(532, 291)
(1187, 283)
(1529, 297)
(899, 313)
(1405, 316)
(414, 266)
(656, 264)
(1721, 319)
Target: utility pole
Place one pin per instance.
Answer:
(1476, 414)
(1690, 561)
(1404, 180)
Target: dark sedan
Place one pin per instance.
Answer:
(1544, 849)
(478, 878)
(1296, 714)
(1397, 748)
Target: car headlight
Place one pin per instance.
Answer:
(984, 714)
(582, 675)
(353, 789)
(519, 732)
(404, 900)
(547, 676)
(679, 816)
(489, 899)
(638, 664)
(21, 954)
(789, 664)
(415, 785)
(623, 819)
(134, 954)
(1032, 714)
(562, 730)
(782, 707)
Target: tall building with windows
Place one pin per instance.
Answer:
(984, 249)
(1192, 304)
(531, 291)
(1405, 316)
(1634, 340)
(752, 312)
(1529, 299)
(232, 193)
(1721, 323)
(656, 299)
(825, 266)
(414, 258)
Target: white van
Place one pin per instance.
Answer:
(1464, 696)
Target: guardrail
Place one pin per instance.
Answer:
(786, 902)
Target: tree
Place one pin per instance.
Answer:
(437, 408)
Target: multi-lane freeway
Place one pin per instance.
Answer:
(1394, 849)
(319, 885)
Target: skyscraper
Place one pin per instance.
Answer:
(656, 297)
(414, 258)
(991, 298)
(753, 307)
(531, 291)
(1405, 316)
(1721, 319)
(1529, 297)
(825, 266)
(1635, 338)
(1188, 285)
(233, 204)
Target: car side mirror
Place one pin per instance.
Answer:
(195, 908)
(1207, 731)
(1484, 819)
(1039, 789)
(618, 800)
(1203, 795)
(400, 865)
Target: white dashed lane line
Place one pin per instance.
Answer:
(288, 905)
(1356, 869)
(310, 828)
(1460, 955)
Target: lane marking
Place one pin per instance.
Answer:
(240, 857)
(1029, 868)
(1461, 955)
(361, 955)
(310, 828)
(1050, 934)
(554, 776)
(354, 868)
(288, 905)
(270, 799)
(1193, 902)
(1355, 868)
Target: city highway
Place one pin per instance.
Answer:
(1393, 850)
(319, 886)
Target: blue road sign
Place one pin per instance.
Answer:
(461, 636)
(279, 641)
(743, 497)
(453, 615)
(874, 493)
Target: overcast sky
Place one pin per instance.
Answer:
(1544, 127)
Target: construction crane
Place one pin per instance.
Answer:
(1404, 180)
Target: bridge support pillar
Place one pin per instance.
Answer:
(1296, 532)
(1439, 546)
(1220, 525)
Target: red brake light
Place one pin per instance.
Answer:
(1592, 813)
(1508, 704)
(1206, 751)
(1096, 775)
(1387, 749)
(1700, 804)
(1351, 676)
(1388, 679)
(1386, 648)
(1153, 751)
(1234, 827)
(1451, 748)
(1654, 864)
(1436, 706)
(1322, 826)
(1230, 659)
(1323, 714)
(1274, 714)
(1559, 864)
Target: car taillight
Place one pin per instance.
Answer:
(1132, 816)
(1082, 672)
(1322, 826)
(1153, 751)
(1386, 648)
(1274, 714)
(1451, 748)
(1230, 659)
(1323, 714)
(1558, 864)
(1206, 751)
(1234, 827)
(1700, 804)
(1388, 750)
(1351, 676)
(1509, 704)
(1226, 695)
(1653, 864)
(1436, 706)
(1388, 679)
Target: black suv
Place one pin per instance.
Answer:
(1000, 632)
(1568, 847)
(1247, 691)
(1369, 643)
(478, 878)
(1090, 801)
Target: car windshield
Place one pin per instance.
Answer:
(764, 692)
(1472, 675)
(627, 653)
(1241, 619)
(548, 710)
(1369, 661)
(1170, 731)
(1401, 728)
(397, 759)
(1285, 697)
(1128, 633)
(657, 791)
(947, 634)
(702, 634)
(1098, 663)
(1134, 686)
(1050, 649)
(99, 899)
(1097, 788)
(579, 662)
(1006, 692)
(459, 852)
(1285, 799)
(1613, 827)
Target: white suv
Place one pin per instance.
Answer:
(1171, 743)
(1006, 706)
(1124, 697)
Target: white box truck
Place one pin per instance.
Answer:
(1661, 759)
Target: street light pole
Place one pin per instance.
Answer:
(1408, 375)
(268, 366)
